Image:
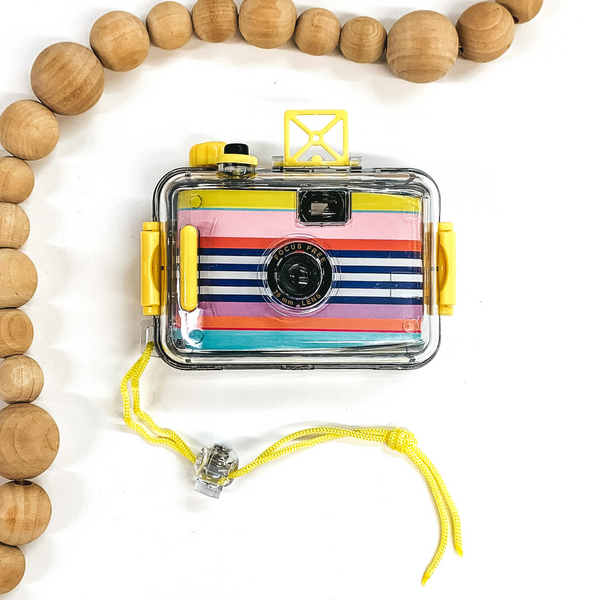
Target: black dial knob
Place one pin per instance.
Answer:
(237, 149)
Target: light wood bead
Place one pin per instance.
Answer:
(215, 20)
(317, 32)
(28, 130)
(25, 511)
(422, 46)
(16, 180)
(267, 23)
(16, 332)
(363, 40)
(12, 567)
(485, 30)
(18, 278)
(67, 78)
(120, 40)
(21, 379)
(169, 25)
(29, 442)
(14, 226)
(522, 10)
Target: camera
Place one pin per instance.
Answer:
(313, 262)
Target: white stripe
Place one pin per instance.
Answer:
(230, 290)
(378, 277)
(232, 275)
(378, 293)
(235, 260)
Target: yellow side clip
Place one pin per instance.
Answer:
(316, 139)
(151, 268)
(446, 268)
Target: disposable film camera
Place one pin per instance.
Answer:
(315, 262)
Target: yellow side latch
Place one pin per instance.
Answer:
(151, 268)
(446, 268)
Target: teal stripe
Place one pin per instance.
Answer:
(296, 340)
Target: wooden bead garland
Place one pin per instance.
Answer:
(267, 23)
(522, 10)
(317, 32)
(12, 567)
(67, 78)
(169, 25)
(486, 30)
(21, 379)
(14, 226)
(16, 332)
(25, 511)
(28, 130)
(29, 441)
(18, 278)
(422, 46)
(215, 21)
(16, 180)
(120, 40)
(363, 40)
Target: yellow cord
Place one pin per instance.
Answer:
(163, 437)
(401, 440)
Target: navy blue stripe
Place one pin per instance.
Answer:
(388, 270)
(365, 285)
(232, 282)
(337, 253)
(334, 300)
(230, 267)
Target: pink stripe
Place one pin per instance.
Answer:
(278, 224)
(333, 311)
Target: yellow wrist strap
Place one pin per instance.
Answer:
(397, 439)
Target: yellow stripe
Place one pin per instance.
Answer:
(279, 200)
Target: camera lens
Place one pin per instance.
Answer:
(299, 274)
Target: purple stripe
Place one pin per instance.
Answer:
(333, 311)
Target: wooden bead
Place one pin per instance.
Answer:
(317, 32)
(267, 23)
(522, 10)
(422, 46)
(29, 442)
(363, 40)
(16, 332)
(21, 379)
(67, 78)
(25, 511)
(12, 568)
(169, 25)
(215, 20)
(18, 278)
(14, 226)
(485, 30)
(120, 40)
(16, 180)
(28, 130)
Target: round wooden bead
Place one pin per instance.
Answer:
(16, 332)
(485, 30)
(169, 25)
(21, 379)
(522, 10)
(16, 180)
(67, 78)
(14, 226)
(422, 46)
(267, 23)
(18, 278)
(317, 32)
(12, 568)
(363, 40)
(25, 511)
(29, 442)
(28, 130)
(120, 40)
(215, 20)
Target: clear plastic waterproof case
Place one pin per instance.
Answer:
(314, 262)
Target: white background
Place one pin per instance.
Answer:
(507, 411)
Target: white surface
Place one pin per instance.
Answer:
(507, 411)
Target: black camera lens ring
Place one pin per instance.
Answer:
(299, 274)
